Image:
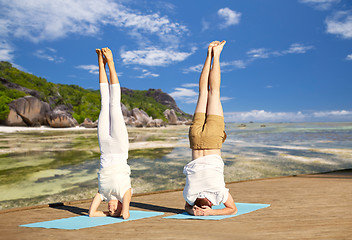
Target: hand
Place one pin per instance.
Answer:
(197, 211)
(203, 211)
(206, 210)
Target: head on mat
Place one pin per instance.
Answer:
(205, 184)
(114, 208)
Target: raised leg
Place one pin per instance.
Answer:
(110, 60)
(102, 63)
(214, 106)
(118, 130)
(104, 118)
(203, 81)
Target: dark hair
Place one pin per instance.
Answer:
(200, 202)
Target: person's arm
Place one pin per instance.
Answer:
(93, 212)
(125, 212)
(189, 209)
(230, 208)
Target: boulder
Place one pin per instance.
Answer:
(137, 123)
(170, 115)
(156, 123)
(13, 119)
(125, 111)
(87, 123)
(141, 116)
(61, 119)
(30, 110)
(129, 120)
(187, 122)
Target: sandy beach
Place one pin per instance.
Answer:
(7, 129)
(314, 206)
(45, 165)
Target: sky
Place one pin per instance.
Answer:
(284, 60)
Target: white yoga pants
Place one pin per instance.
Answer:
(112, 131)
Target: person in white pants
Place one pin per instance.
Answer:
(114, 174)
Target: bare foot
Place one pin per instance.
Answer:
(218, 48)
(211, 45)
(108, 54)
(101, 58)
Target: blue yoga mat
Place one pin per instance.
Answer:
(87, 222)
(242, 208)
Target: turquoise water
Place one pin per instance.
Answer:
(251, 152)
(261, 152)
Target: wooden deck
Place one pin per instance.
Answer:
(315, 206)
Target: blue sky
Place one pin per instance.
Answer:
(285, 60)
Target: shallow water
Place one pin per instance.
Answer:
(45, 167)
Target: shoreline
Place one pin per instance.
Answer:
(73, 202)
(28, 157)
(12, 129)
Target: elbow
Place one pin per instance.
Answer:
(233, 210)
(91, 214)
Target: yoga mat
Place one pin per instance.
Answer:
(87, 222)
(242, 208)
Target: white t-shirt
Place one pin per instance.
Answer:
(114, 179)
(205, 178)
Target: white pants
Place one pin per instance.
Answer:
(112, 131)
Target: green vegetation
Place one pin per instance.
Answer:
(84, 103)
(138, 99)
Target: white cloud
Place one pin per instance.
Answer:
(196, 68)
(340, 24)
(185, 95)
(48, 54)
(226, 66)
(320, 4)
(190, 85)
(258, 53)
(231, 17)
(224, 99)
(180, 93)
(153, 57)
(349, 57)
(190, 96)
(253, 55)
(90, 68)
(146, 73)
(266, 53)
(6, 51)
(297, 48)
(264, 116)
(39, 20)
(332, 113)
(236, 63)
(205, 25)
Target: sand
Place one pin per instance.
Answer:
(315, 206)
(7, 129)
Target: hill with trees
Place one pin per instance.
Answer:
(79, 102)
